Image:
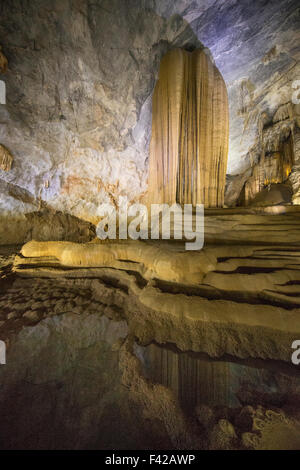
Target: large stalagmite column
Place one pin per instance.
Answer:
(190, 127)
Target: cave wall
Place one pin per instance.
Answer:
(78, 112)
(79, 88)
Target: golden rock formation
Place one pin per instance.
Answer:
(294, 176)
(6, 158)
(190, 127)
(274, 158)
(217, 301)
(152, 261)
(3, 62)
(277, 155)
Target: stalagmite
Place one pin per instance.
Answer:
(190, 126)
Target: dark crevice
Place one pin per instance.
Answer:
(259, 258)
(288, 294)
(140, 280)
(256, 363)
(290, 283)
(127, 261)
(211, 293)
(113, 282)
(255, 270)
(41, 266)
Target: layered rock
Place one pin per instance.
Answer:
(224, 299)
(112, 358)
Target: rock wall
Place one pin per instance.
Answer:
(277, 158)
(79, 86)
(274, 159)
(295, 173)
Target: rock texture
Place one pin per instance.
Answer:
(100, 358)
(221, 300)
(42, 224)
(124, 345)
(3, 62)
(190, 124)
(6, 158)
(278, 225)
(273, 158)
(80, 83)
(294, 179)
(79, 125)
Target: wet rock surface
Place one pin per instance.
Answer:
(108, 348)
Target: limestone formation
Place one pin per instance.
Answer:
(294, 178)
(3, 62)
(274, 161)
(65, 331)
(150, 260)
(277, 158)
(272, 430)
(223, 436)
(190, 125)
(6, 158)
(203, 293)
(140, 344)
(82, 121)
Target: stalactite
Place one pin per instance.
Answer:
(274, 167)
(294, 176)
(6, 158)
(3, 62)
(284, 111)
(190, 126)
(193, 380)
(276, 151)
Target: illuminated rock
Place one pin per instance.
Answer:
(189, 144)
(274, 156)
(6, 158)
(3, 62)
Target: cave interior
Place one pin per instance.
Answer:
(148, 342)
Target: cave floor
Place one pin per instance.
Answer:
(225, 317)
